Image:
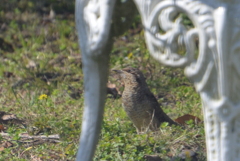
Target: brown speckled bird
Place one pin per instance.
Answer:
(139, 103)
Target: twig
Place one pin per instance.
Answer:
(56, 136)
(150, 122)
(25, 135)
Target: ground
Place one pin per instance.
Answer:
(41, 84)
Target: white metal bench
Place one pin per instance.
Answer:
(215, 71)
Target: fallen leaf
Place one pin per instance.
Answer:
(112, 90)
(182, 120)
(1, 127)
(5, 118)
(2, 148)
(7, 144)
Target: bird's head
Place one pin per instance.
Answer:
(131, 76)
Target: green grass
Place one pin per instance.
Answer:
(53, 48)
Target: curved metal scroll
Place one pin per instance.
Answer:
(215, 71)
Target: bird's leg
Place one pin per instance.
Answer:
(151, 125)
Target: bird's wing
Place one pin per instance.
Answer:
(159, 113)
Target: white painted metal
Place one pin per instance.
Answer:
(215, 70)
(93, 19)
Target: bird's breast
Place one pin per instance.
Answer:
(132, 99)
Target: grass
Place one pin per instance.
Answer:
(43, 58)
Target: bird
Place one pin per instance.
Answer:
(139, 103)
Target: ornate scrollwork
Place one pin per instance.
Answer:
(96, 15)
(215, 70)
(163, 46)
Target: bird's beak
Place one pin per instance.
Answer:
(117, 71)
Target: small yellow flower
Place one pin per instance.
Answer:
(42, 96)
(187, 153)
(130, 55)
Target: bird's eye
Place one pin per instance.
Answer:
(129, 70)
